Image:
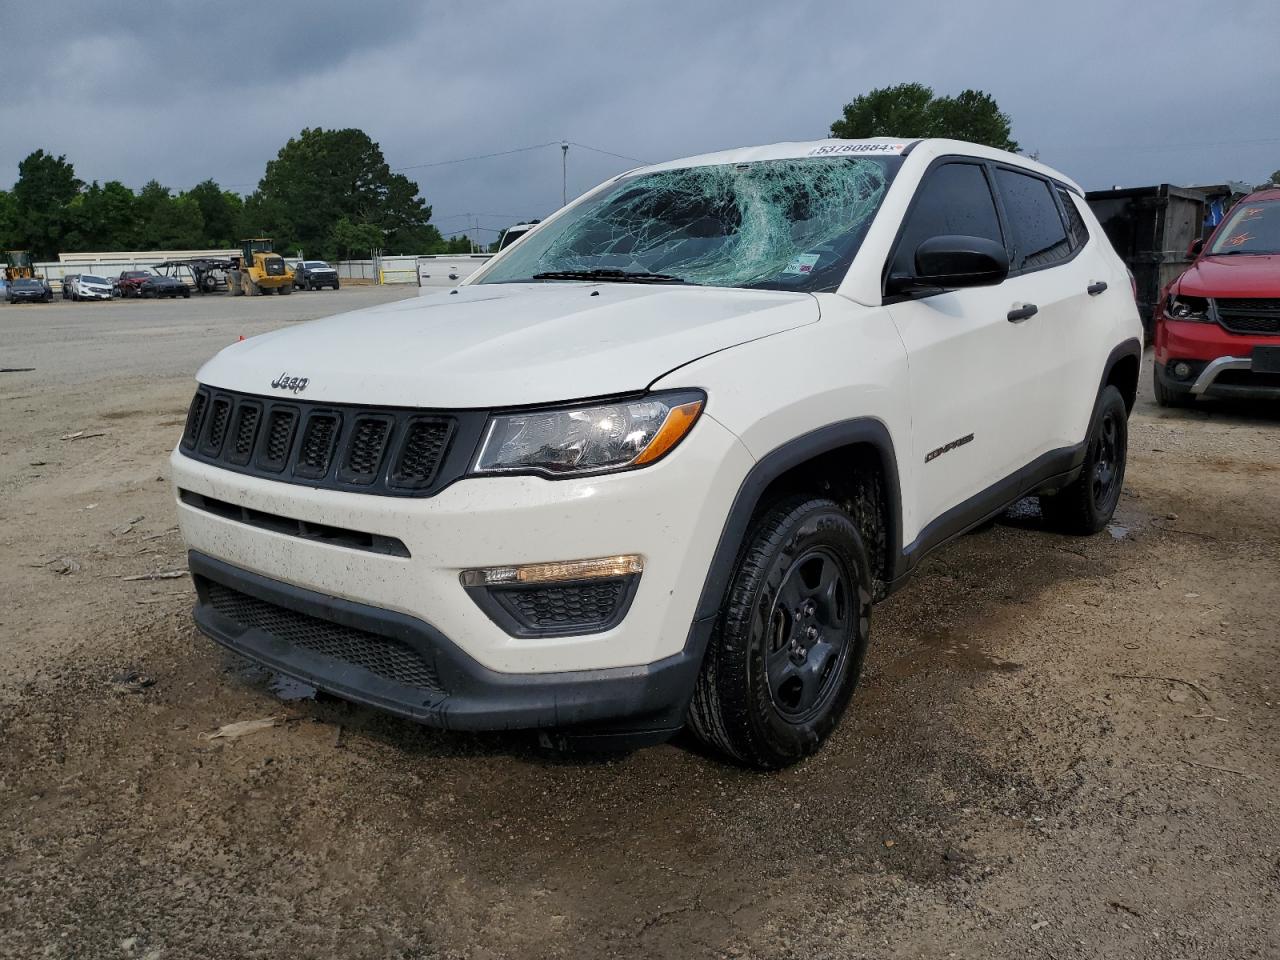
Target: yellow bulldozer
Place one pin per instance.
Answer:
(17, 265)
(260, 270)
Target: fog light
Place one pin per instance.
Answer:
(599, 568)
(1181, 371)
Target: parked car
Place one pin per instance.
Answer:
(606, 489)
(148, 283)
(27, 290)
(1217, 326)
(68, 282)
(314, 274)
(85, 286)
(515, 232)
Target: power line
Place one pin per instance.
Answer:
(481, 156)
(607, 153)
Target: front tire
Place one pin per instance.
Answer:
(1166, 397)
(788, 647)
(1088, 503)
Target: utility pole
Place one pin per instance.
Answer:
(564, 173)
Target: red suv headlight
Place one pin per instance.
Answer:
(1187, 308)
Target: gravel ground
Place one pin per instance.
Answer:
(1061, 748)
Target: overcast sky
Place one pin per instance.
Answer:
(1110, 93)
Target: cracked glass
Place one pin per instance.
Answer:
(792, 224)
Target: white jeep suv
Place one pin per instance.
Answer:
(652, 465)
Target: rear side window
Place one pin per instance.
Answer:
(954, 199)
(1076, 229)
(1039, 235)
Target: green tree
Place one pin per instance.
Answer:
(351, 241)
(1275, 178)
(166, 222)
(322, 177)
(46, 185)
(912, 110)
(8, 221)
(102, 217)
(223, 212)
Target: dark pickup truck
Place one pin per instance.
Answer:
(313, 274)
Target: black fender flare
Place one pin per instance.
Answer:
(862, 430)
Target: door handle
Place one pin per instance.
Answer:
(1096, 288)
(1024, 312)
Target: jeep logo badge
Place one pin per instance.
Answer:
(286, 382)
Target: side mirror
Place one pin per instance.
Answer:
(951, 262)
(1193, 251)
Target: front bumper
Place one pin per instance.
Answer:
(671, 514)
(407, 667)
(1219, 363)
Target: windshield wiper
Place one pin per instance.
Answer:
(607, 273)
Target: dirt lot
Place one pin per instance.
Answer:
(1017, 778)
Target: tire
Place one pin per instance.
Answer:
(286, 289)
(785, 654)
(1166, 397)
(186, 293)
(251, 289)
(336, 284)
(1087, 504)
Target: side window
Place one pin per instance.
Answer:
(1078, 232)
(1039, 235)
(954, 199)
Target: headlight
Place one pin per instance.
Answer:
(571, 441)
(1188, 308)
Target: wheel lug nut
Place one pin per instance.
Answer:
(812, 633)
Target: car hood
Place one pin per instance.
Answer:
(1235, 276)
(507, 344)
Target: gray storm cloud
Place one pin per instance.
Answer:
(1109, 93)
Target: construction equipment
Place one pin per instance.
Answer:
(260, 270)
(17, 266)
(207, 274)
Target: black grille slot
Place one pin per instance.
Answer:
(219, 417)
(274, 266)
(425, 442)
(278, 440)
(1254, 316)
(316, 451)
(571, 605)
(245, 432)
(195, 417)
(369, 436)
(386, 657)
(303, 529)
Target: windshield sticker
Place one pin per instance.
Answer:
(804, 263)
(838, 149)
(1239, 240)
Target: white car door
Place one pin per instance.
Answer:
(1067, 285)
(977, 393)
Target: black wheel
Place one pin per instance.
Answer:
(788, 648)
(1087, 504)
(186, 293)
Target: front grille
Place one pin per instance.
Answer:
(1251, 316)
(386, 657)
(416, 465)
(387, 451)
(316, 451)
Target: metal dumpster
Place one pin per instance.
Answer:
(1152, 229)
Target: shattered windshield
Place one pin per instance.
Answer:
(772, 224)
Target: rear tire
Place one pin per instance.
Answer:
(1087, 504)
(286, 289)
(788, 646)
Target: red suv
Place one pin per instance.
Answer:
(1218, 325)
